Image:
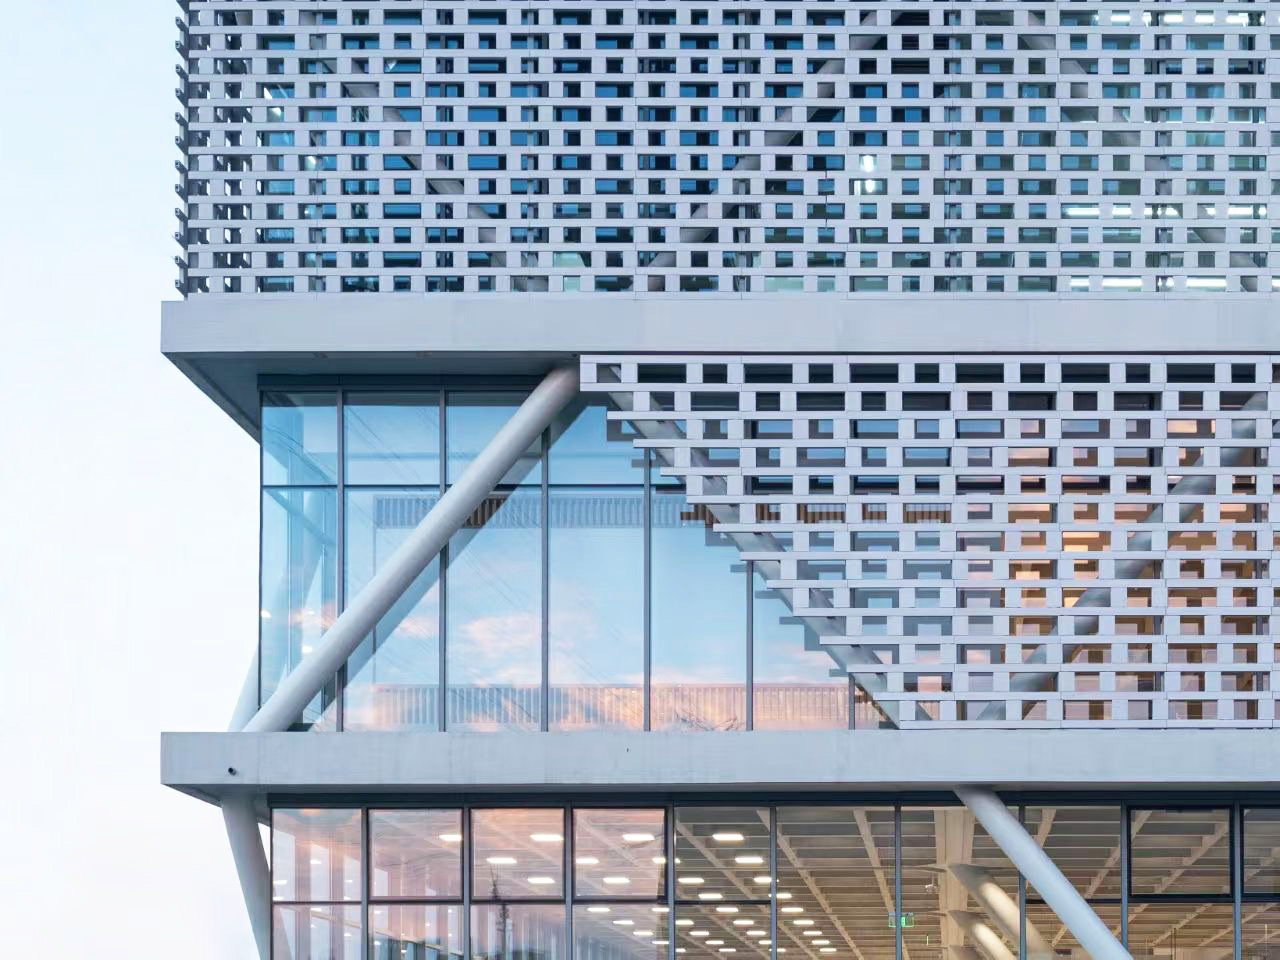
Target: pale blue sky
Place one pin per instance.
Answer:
(127, 505)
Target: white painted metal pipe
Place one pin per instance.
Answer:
(1042, 873)
(247, 702)
(251, 866)
(1002, 908)
(983, 937)
(367, 607)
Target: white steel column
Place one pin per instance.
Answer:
(1042, 873)
(361, 615)
(1001, 908)
(366, 608)
(247, 702)
(986, 939)
(251, 866)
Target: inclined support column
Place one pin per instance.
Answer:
(362, 614)
(388, 585)
(1042, 873)
(251, 866)
(1002, 908)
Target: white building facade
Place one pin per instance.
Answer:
(744, 477)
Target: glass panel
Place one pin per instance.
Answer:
(1041, 918)
(518, 853)
(394, 676)
(315, 854)
(472, 420)
(524, 931)
(1179, 851)
(494, 618)
(416, 853)
(1084, 842)
(1180, 931)
(597, 609)
(316, 933)
(299, 579)
(615, 931)
(796, 684)
(835, 876)
(699, 620)
(1261, 931)
(938, 911)
(619, 853)
(1262, 851)
(299, 438)
(418, 931)
(392, 438)
(721, 852)
(593, 450)
(711, 932)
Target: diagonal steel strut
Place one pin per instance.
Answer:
(364, 612)
(426, 541)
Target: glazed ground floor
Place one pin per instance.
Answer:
(705, 875)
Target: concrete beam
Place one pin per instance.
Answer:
(871, 760)
(225, 343)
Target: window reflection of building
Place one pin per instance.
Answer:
(540, 615)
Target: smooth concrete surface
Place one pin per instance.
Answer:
(1126, 761)
(224, 343)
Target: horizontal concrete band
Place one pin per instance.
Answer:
(873, 760)
(606, 324)
(224, 344)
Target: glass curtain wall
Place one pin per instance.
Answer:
(586, 592)
(300, 549)
(819, 881)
